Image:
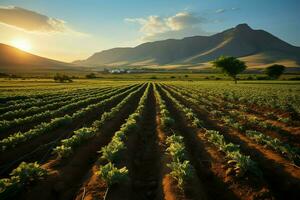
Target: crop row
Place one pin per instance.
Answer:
(67, 146)
(44, 127)
(228, 112)
(110, 154)
(283, 99)
(43, 96)
(23, 175)
(5, 125)
(27, 104)
(49, 105)
(240, 163)
(181, 169)
(217, 102)
(292, 153)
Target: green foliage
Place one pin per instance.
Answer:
(291, 153)
(230, 66)
(181, 171)
(83, 134)
(275, 71)
(112, 150)
(24, 174)
(91, 76)
(112, 175)
(44, 127)
(62, 151)
(166, 119)
(28, 172)
(176, 148)
(174, 139)
(62, 78)
(241, 163)
(17, 138)
(79, 136)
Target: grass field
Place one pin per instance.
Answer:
(138, 137)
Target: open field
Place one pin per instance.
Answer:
(142, 138)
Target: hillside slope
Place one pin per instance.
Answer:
(13, 60)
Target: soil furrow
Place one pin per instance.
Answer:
(66, 175)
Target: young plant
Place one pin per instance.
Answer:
(28, 172)
(112, 175)
(181, 171)
(292, 153)
(24, 174)
(112, 151)
(241, 163)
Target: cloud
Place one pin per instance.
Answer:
(222, 10)
(151, 25)
(179, 25)
(32, 21)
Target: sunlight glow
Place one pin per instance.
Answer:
(21, 44)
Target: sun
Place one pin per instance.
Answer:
(21, 44)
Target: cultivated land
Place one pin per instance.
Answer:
(182, 139)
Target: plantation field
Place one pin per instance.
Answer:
(149, 139)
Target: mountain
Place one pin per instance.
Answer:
(257, 47)
(13, 60)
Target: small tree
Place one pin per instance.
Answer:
(62, 78)
(275, 71)
(91, 75)
(230, 66)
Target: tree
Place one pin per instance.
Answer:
(275, 71)
(230, 66)
(91, 75)
(62, 78)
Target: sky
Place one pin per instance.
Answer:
(69, 30)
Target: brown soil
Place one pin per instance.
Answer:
(285, 133)
(41, 153)
(168, 189)
(55, 100)
(90, 187)
(28, 126)
(66, 175)
(146, 159)
(282, 177)
(199, 186)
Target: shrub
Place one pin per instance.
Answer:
(91, 76)
(153, 77)
(62, 78)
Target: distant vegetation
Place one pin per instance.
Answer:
(91, 75)
(62, 78)
(275, 71)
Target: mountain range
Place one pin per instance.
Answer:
(257, 47)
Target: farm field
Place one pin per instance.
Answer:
(149, 139)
